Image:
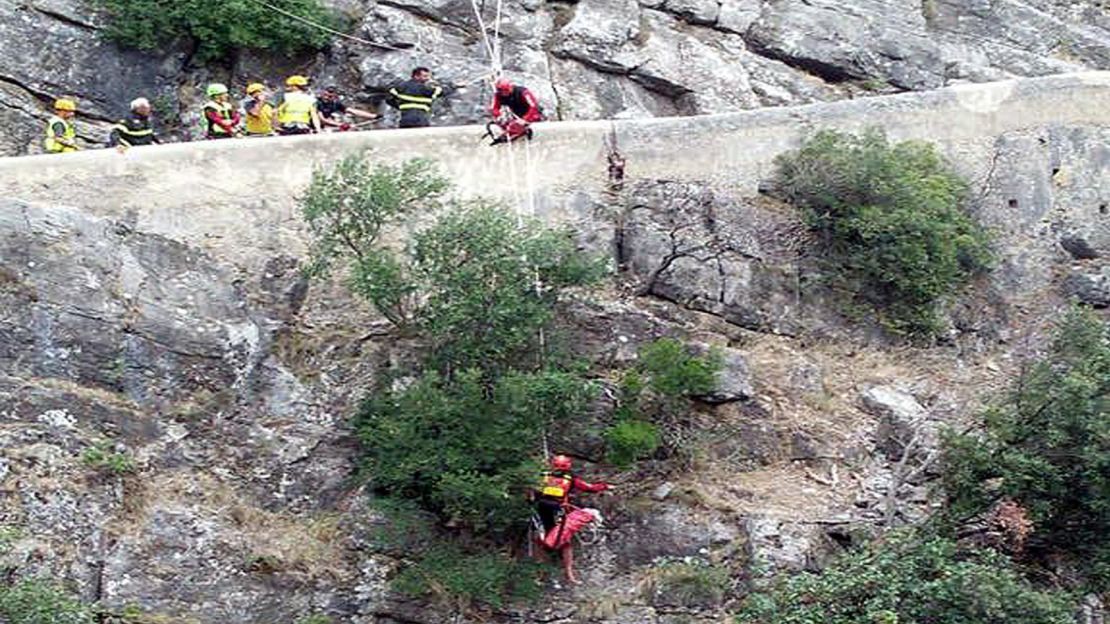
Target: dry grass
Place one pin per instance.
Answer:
(303, 546)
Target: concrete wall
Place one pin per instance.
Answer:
(237, 198)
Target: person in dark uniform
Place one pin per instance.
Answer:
(332, 109)
(414, 98)
(135, 130)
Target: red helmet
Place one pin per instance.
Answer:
(504, 86)
(560, 462)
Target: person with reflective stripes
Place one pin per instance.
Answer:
(297, 112)
(135, 129)
(221, 120)
(61, 136)
(414, 98)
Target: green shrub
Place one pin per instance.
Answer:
(906, 579)
(629, 440)
(892, 220)
(102, 457)
(653, 398)
(465, 451)
(1047, 446)
(454, 576)
(674, 371)
(217, 30)
(38, 602)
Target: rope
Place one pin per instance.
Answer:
(337, 33)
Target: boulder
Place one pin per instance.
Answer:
(901, 417)
(1090, 286)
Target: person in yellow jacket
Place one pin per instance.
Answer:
(258, 112)
(297, 112)
(61, 136)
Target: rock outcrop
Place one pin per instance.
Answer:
(587, 60)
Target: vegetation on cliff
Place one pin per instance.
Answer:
(217, 31)
(458, 431)
(893, 221)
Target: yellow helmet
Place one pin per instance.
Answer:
(64, 104)
(255, 87)
(296, 81)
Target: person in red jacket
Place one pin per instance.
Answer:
(552, 498)
(521, 103)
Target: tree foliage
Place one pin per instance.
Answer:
(892, 217)
(476, 286)
(217, 29)
(465, 450)
(1047, 446)
(908, 579)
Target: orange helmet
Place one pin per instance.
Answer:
(560, 462)
(504, 86)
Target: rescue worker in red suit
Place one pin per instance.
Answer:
(552, 499)
(523, 105)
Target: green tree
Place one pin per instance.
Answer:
(908, 579)
(1047, 446)
(892, 220)
(218, 29)
(476, 286)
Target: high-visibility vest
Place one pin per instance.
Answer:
(224, 110)
(69, 135)
(556, 485)
(296, 108)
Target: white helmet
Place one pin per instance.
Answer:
(138, 103)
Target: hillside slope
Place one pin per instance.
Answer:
(148, 312)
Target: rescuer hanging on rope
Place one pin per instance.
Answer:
(61, 136)
(559, 518)
(514, 108)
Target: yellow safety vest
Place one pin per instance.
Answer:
(54, 146)
(296, 108)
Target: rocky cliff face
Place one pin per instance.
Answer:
(587, 60)
(224, 380)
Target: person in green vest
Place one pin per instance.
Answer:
(221, 119)
(61, 136)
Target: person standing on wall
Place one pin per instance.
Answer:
(134, 130)
(297, 112)
(221, 120)
(259, 113)
(61, 136)
(414, 98)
